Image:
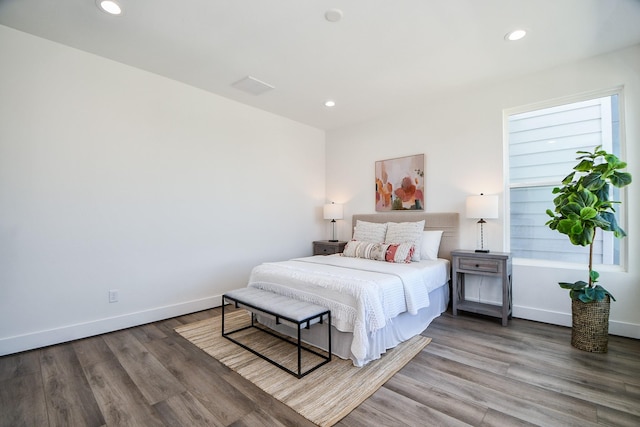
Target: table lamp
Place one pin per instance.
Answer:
(482, 207)
(333, 211)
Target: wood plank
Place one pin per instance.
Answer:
(258, 417)
(201, 373)
(515, 348)
(69, 398)
(16, 365)
(469, 358)
(409, 412)
(610, 395)
(364, 414)
(613, 417)
(471, 413)
(148, 332)
(119, 398)
(185, 410)
(495, 418)
(266, 402)
(506, 384)
(154, 380)
(22, 401)
(199, 315)
(467, 384)
(90, 351)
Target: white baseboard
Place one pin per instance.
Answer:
(622, 329)
(48, 337)
(18, 343)
(544, 316)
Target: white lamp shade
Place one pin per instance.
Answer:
(485, 207)
(333, 211)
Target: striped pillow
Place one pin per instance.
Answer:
(401, 253)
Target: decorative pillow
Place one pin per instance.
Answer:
(368, 250)
(379, 251)
(370, 231)
(400, 253)
(430, 244)
(406, 232)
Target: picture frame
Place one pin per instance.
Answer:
(400, 184)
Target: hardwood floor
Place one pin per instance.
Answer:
(475, 372)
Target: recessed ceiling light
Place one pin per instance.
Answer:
(109, 6)
(330, 103)
(515, 35)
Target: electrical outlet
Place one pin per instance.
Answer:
(113, 295)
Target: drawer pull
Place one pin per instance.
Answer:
(477, 265)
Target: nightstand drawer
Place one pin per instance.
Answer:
(483, 265)
(325, 247)
(320, 249)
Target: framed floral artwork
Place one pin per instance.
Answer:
(400, 184)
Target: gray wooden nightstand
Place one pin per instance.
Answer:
(495, 264)
(325, 247)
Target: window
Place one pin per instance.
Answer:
(542, 151)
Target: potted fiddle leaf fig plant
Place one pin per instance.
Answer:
(582, 206)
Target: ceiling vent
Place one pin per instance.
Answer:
(253, 86)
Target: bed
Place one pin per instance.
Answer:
(375, 305)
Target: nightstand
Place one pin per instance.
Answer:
(325, 247)
(494, 264)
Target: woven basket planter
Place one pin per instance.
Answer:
(590, 328)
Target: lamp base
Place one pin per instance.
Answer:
(482, 251)
(333, 240)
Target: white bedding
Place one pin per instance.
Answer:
(363, 295)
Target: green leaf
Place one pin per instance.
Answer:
(584, 198)
(593, 181)
(588, 213)
(571, 208)
(614, 162)
(567, 179)
(594, 275)
(565, 226)
(579, 285)
(590, 293)
(612, 225)
(620, 179)
(583, 239)
(584, 298)
(584, 166)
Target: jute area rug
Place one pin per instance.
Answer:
(324, 396)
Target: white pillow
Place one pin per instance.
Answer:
(430, 244)
(370, 231)
(406, 232)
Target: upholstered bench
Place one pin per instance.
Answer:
(298, 314)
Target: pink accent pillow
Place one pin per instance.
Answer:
(400, 253)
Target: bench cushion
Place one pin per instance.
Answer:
(278, 304)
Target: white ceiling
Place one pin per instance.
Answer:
(384, 55)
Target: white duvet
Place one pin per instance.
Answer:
(361, 294)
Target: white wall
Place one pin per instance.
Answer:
(115, 178)
(461, 134)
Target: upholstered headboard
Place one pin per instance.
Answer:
(448, 222)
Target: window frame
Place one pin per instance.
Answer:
(620, 209)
